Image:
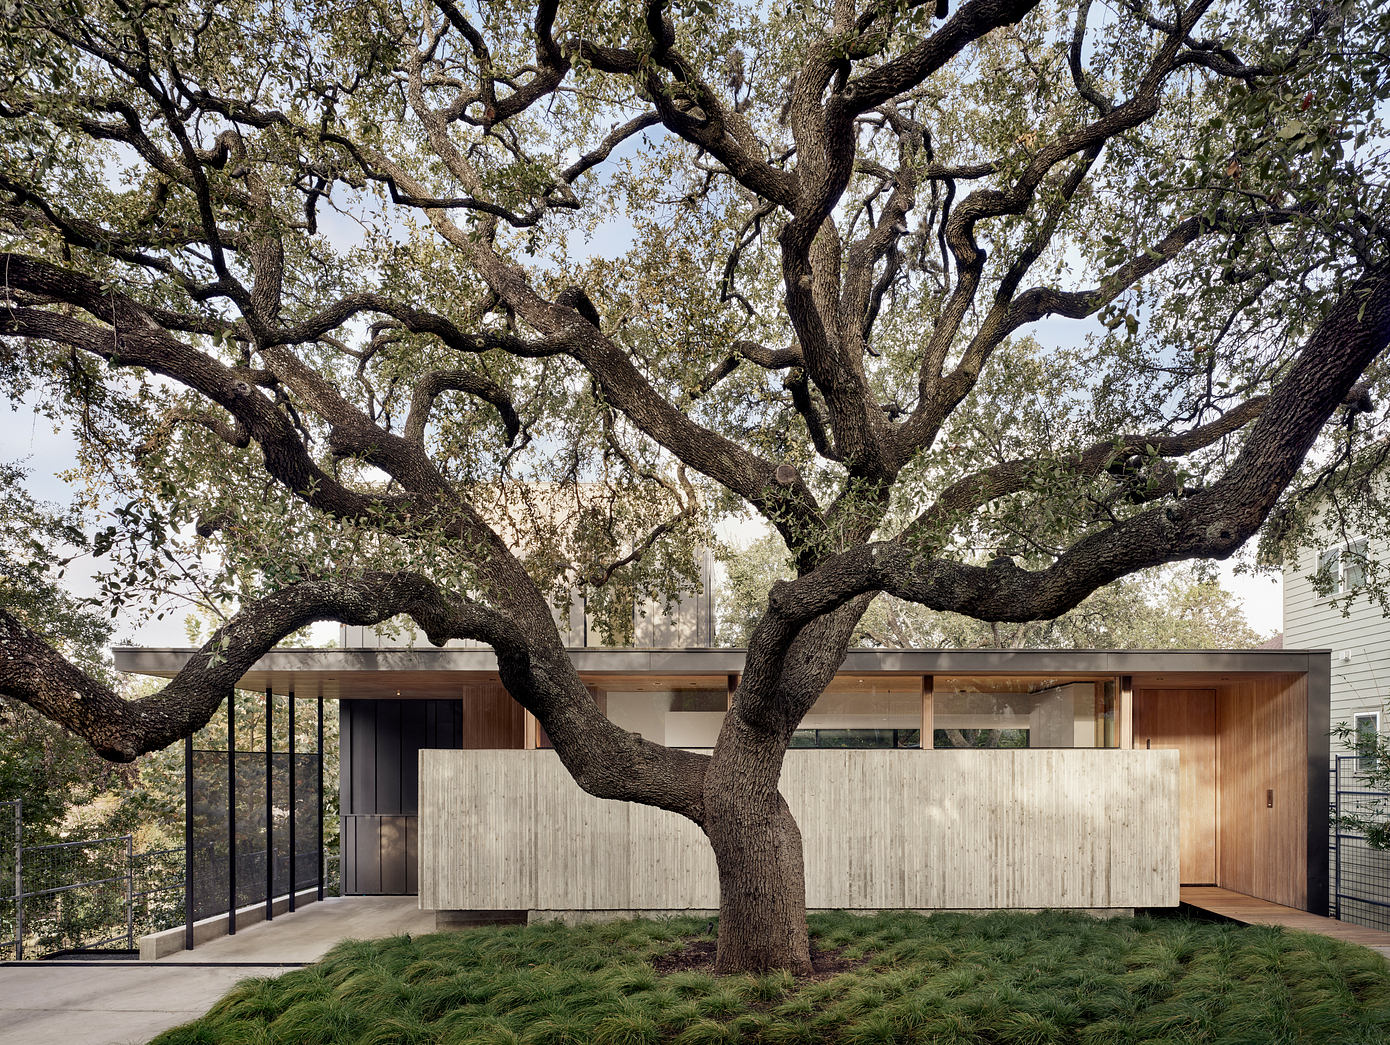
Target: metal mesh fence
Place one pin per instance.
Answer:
(157, 897)
(77, 895)
(11, 819)
(87, 895)
(99, 893)
(1360, 870)
(211, 827)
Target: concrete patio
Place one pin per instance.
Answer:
(310, 932)
(124, 1002)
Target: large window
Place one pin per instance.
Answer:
(686, 713)
(860, 738)
(1014, 712)
(882, 711)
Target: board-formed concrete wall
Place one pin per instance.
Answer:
(509, 830)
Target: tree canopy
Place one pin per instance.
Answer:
(59, 778)
(327, 287)
(1174, 608)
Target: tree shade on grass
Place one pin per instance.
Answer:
(1030, 979)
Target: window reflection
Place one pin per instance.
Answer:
(682, 714)
(882, 711)
(1004, 712)
(969, 712)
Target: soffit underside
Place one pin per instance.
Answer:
(441, 674)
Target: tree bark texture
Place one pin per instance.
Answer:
(757, 847)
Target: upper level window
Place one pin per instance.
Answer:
(1343, 568)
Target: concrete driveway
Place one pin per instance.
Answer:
(109, 1003)
(120, 1002)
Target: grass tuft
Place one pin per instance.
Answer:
(1020, 979)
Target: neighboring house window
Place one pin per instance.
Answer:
(1343, 568)
(1367, 736)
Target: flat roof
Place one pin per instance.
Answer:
(429, 672)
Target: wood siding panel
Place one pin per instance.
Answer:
(490, 717)
(412, 857)
(365, 873)
(392, 832)
(389, 758)
(666, 849)
(347, 842)
(1263, 728)
(414, 736)
(881, 829)
(1184, 720)
(581, 848)
(359, 766)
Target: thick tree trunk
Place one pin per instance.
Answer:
(757, 845)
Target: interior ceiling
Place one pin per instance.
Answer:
(1187, 679)
(1007, 684)
(656, 683)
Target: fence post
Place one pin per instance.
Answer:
(231, 813)
(130, 892)
(1337, 837)
(19, 879)
(323, 863)
(294, 803)
(269, 807)
(188, 843)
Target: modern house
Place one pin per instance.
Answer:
(922, 779)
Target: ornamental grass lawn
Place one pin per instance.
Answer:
(1031, 979)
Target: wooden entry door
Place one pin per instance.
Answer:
(1185, 719)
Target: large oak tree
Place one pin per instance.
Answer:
(451, 310)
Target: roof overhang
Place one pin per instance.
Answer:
(424, 673)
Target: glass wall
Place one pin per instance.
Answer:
(869, 711)
(686, 713)
(1013, 712)
(884, 711)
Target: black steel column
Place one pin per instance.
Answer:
(1319, 708)
(188, 842)
(293, 797)
(269, 808)
(231, 814)
(322, 867)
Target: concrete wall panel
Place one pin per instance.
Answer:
(1094, 829)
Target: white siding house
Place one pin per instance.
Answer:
(1358, 634)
